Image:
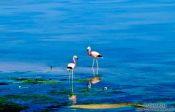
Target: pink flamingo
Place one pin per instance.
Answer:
(71, 67)
(95, 55)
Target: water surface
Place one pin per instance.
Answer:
(136, 39)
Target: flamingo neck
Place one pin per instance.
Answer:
(75, 61)
(89, 53)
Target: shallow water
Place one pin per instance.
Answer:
(136, 39)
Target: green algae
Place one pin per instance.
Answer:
(35, 81)
(81, 80)
(3, 99)
(85, 89)
(38, 81)
(8, 106)
(11, 107)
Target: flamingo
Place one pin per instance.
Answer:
(95, 55)
(71, 67)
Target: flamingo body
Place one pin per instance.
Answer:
(71, 65)
(95, 54)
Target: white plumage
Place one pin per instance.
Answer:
(71, 65)
(95, 54)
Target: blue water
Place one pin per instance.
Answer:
(136, 39)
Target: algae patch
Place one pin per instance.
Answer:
(35, 81)
(81, 80)
(8, 106)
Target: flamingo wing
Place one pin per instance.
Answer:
(95, 54)
(71, 66)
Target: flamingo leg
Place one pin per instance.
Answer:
(69, 76)
(72, 81)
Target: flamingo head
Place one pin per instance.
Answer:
(88, 48)
(75, 57)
